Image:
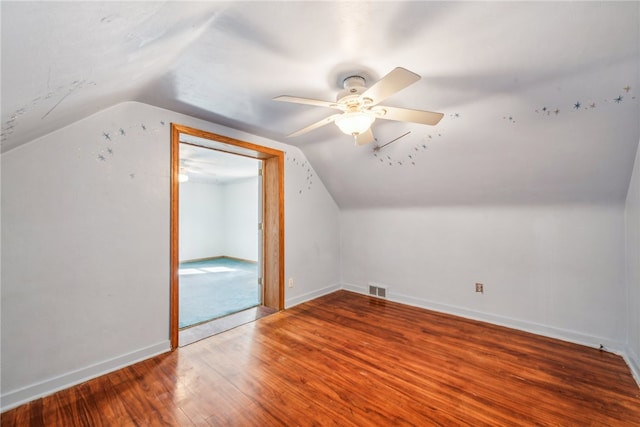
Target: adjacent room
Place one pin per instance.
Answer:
(220, 234)
(320, 213)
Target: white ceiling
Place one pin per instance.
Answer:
(507, 75)
(205, 165)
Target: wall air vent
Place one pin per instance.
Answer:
(377, 290)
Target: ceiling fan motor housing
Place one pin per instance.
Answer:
(354, 86)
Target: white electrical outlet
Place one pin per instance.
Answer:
(291, 282)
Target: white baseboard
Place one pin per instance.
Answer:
(290, 302)
(633, 362)
(535, 328)
(26, 394)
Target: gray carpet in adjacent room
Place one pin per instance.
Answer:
(214, 288)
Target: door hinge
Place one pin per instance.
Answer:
(260, 281)
(260, 226)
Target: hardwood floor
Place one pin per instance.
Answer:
(351, 360)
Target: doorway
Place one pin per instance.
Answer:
(220, 265)
(192, 262)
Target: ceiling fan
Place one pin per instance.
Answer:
(359, 105)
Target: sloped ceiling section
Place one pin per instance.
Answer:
(540, 98)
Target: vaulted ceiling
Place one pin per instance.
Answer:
(540, 99)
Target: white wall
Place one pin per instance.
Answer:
(85, 247)
(311, 215)
(219, 219)
(558, 271)
(83, 218)
(632, 225)
(241, 218)
(202, 231)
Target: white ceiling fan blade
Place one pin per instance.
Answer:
(316, 125)
(395, 81)
(408, 115)
(365, 137)
(307, 101)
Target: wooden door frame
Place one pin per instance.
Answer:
(273, 216)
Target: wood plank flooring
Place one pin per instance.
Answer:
(351, 360)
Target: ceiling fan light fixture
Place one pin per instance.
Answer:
(354, 123)
(360, 105)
